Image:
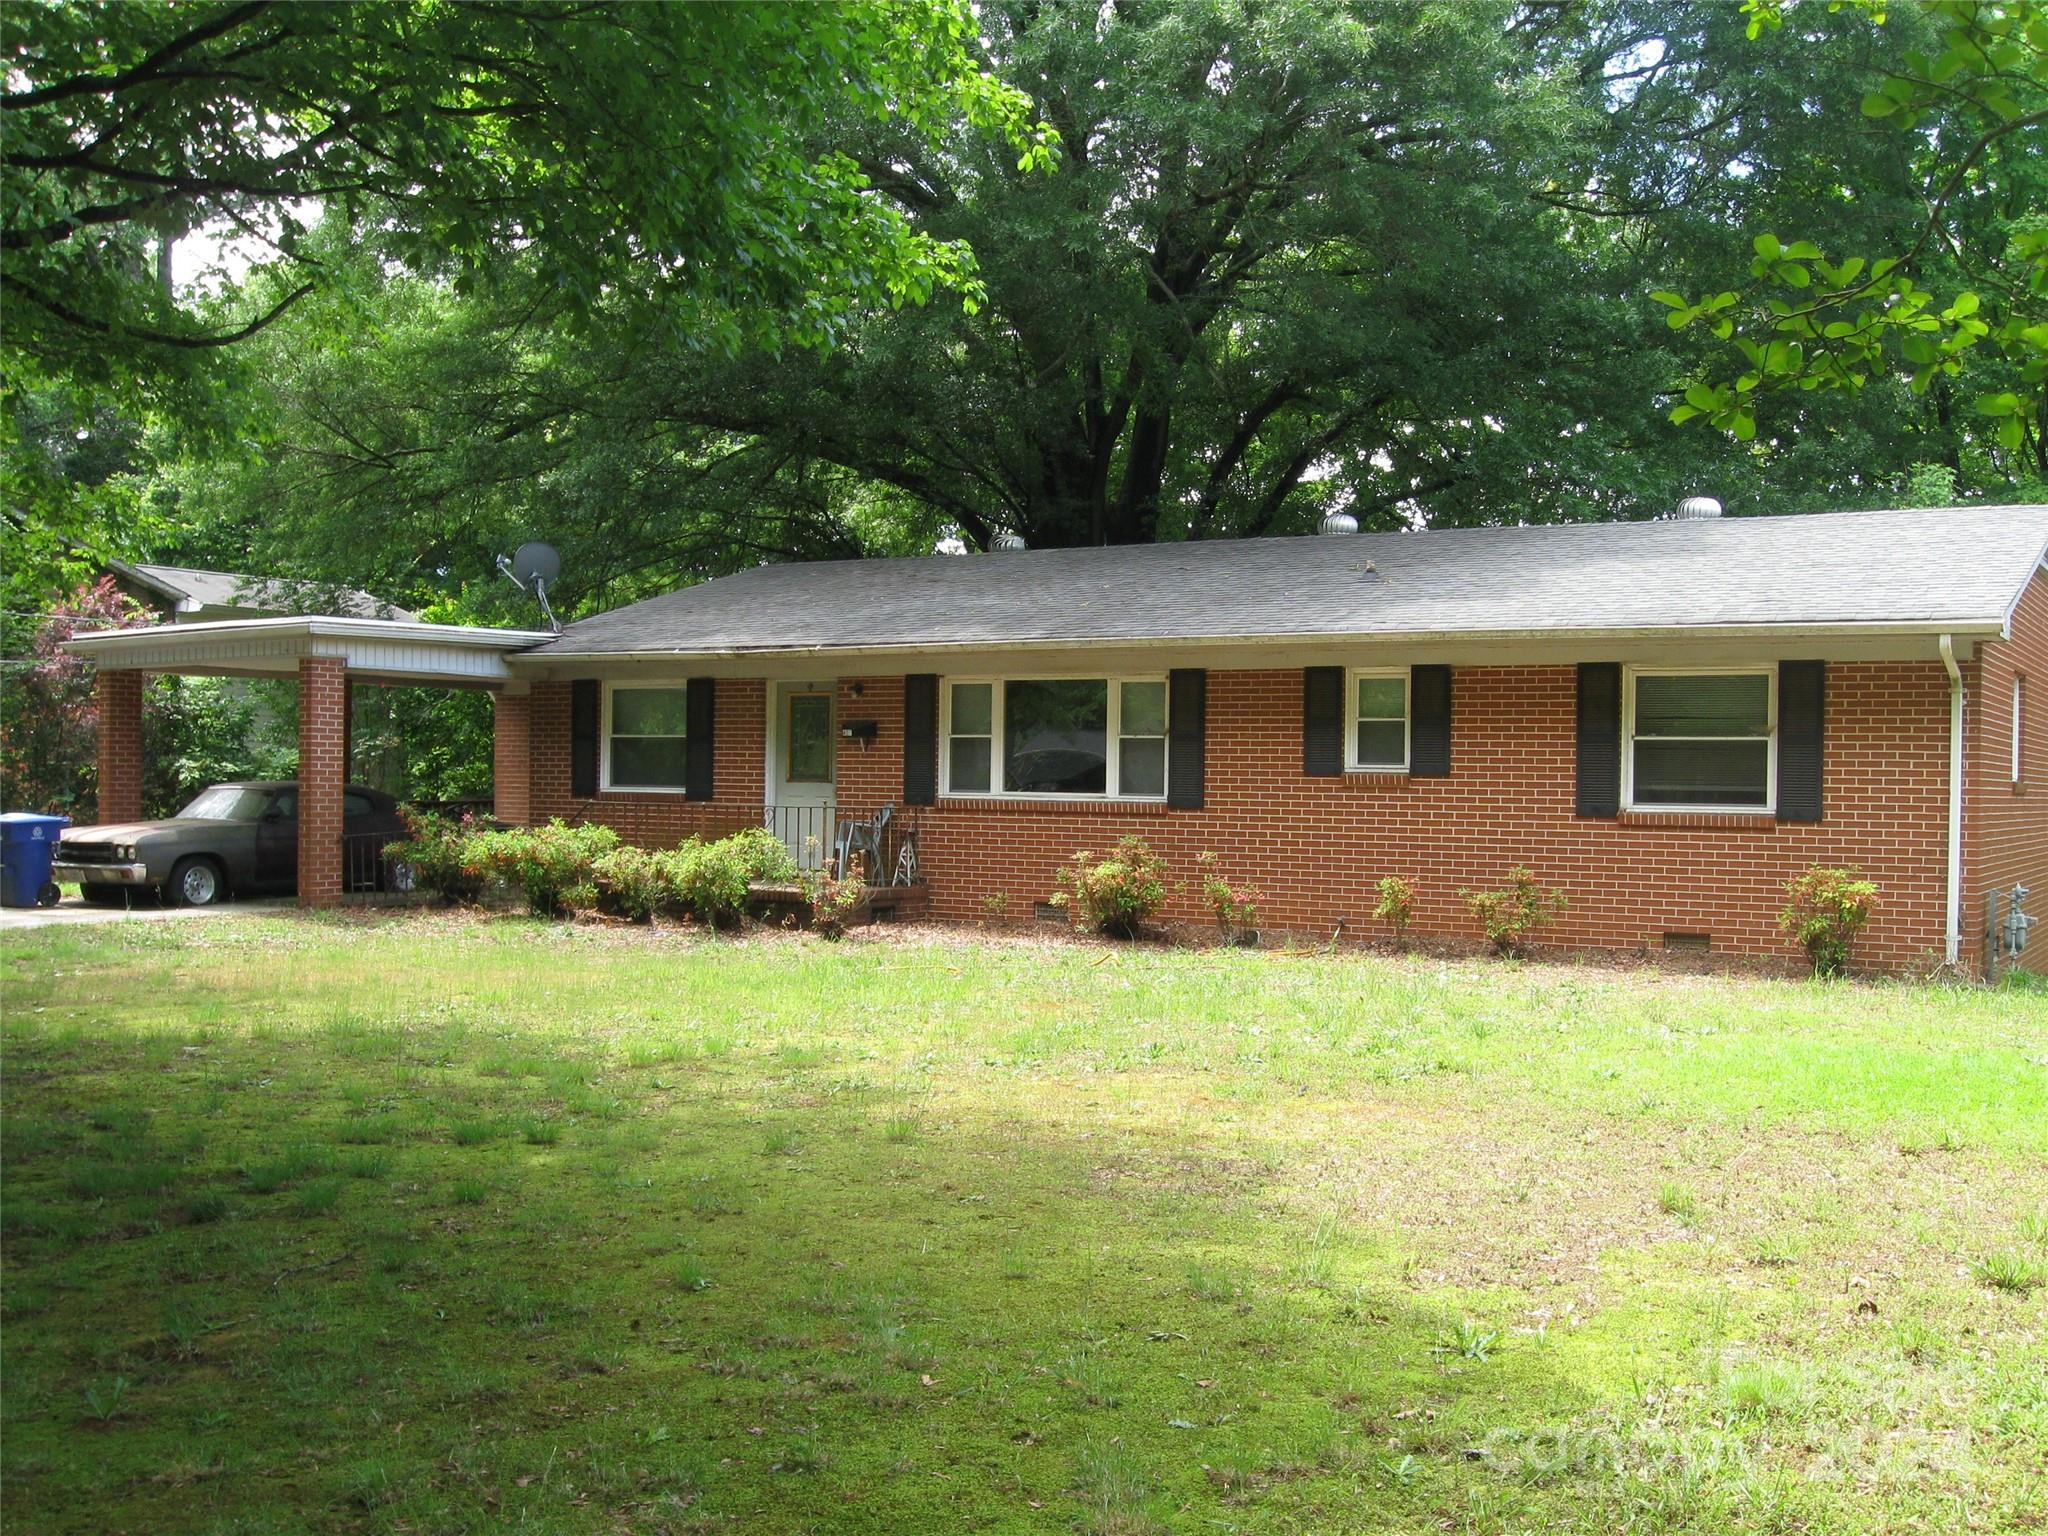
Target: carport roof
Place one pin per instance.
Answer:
(191, 590)
(450, 655)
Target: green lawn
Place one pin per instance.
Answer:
(444, 1224)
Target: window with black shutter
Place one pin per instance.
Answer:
(1187, 751)
(1056, 737)
(1322, 721)
(647, 735)
(1599, 739)
(920, 738)
(1802, 710)
(1698, 740)
(701, 777)
(1429, 696)
(584, 708)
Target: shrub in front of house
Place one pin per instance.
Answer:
(443, 857)
(834, 897)
(1828, 907)
(1511, 914)
(709, 881)
(764, 856)
(1115, 895)
(628, 883)
(554, 867)
(1236, 907)
(702, 880)
(1396, 906)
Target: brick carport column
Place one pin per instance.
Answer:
(120, 745)
(512, 754)
(323, 770)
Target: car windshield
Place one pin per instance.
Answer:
(227, 802)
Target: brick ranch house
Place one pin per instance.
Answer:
(1665, 719)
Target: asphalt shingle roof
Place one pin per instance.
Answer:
(1964, 565)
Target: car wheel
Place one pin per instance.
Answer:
(196, 882)
(400, 877)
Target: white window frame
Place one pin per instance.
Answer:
(2019, 710)
(1113, 740)
(1769, 807)
(1352, 678)
(604, 740)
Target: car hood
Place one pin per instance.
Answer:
(130, 831)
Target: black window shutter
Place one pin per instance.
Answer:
(1187, 702)
(920, 738)
(1429, 722)
(1322, 721)
(1599, 738)
(583, 717)
(1802, 711)
(701, 749)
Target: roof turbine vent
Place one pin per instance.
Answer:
(1002, 543)
(1695, 507)
(1337, 523)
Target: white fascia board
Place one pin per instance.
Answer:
(2039, 569)
(307, 628)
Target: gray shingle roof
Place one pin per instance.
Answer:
(1961, 565)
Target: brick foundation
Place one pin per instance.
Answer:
(119, 696)
(323, 771)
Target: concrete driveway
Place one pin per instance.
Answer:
(74, 910)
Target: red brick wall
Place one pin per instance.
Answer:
(323, 770)
(512, 757)
(739, 769)
(1316, 847)
(870, 774)
(119, 745)
(2005, 823)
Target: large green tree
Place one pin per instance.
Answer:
(1293, 256)
(667, 159)
(1945, 291)
(419, 433)
(1391, 257)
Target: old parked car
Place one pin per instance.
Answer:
(233, 839)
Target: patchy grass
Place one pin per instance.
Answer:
(446, 1224)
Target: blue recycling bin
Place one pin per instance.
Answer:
(28, 846)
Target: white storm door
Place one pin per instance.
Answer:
(803, 745)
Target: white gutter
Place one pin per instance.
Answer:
(1955, 800)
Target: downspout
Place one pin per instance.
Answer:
(1955, 800)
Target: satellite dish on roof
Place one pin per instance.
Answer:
(534, 561)
(531, 567)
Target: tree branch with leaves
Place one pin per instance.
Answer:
(1963, 296)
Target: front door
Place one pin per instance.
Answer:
(803, 742)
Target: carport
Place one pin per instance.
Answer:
(328, 656)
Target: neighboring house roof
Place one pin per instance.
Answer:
(1930, 568)
(223, 594)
